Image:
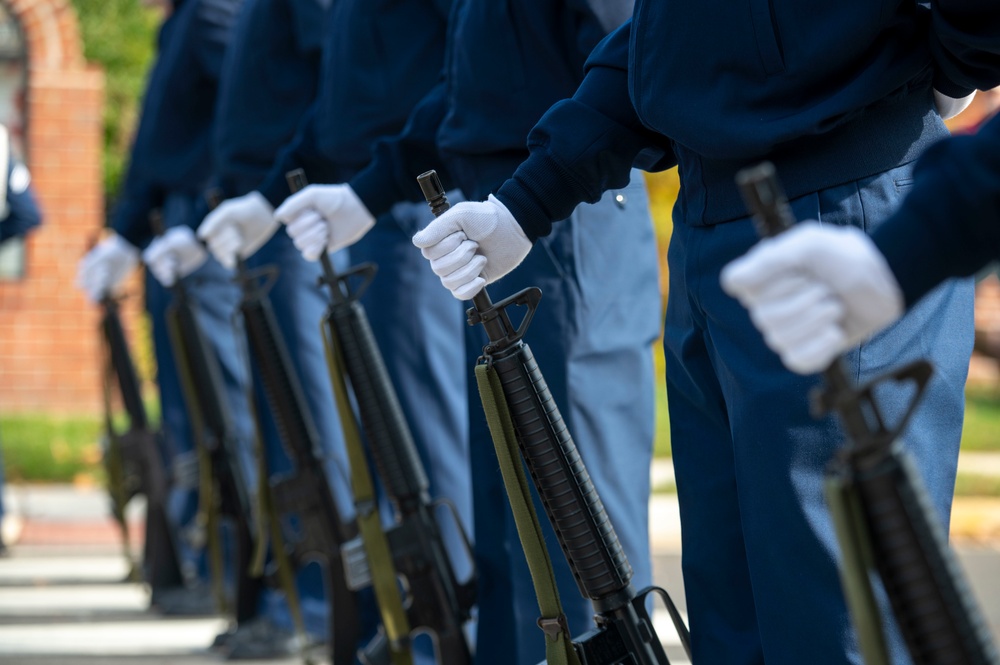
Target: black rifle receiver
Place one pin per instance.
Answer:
(134, 459)
(304, 495)
(624, 632)
(885, 520)
(440, 603)
(214, 433)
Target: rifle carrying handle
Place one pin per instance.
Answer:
(571, 502)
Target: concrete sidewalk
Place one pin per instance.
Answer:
(63, 601)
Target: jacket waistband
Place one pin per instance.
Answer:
(881, 137)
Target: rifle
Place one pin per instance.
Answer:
(224, 487)
(624, 632)
(438, 602)
(133, 459)
(304, 495)
(883, 517)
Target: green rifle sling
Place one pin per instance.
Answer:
(856, 567)
(380, 563)
(558, 643)
(286, 578)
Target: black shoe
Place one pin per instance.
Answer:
(184, 602)
(261, 639)
(223, 641)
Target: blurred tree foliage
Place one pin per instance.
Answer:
(663, 188)
(120, 37)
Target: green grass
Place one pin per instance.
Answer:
(41, 448)
(980, 433)
(982, 420)
(973, 484)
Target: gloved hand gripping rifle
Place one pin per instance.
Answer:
(436, 601)
(624, 632)
(304, 495)
(884, 520)
(133, 458)
(224, 486)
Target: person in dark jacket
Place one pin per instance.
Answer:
(841, 97)
(169, 167)
(816, 291)
(506, 64)
(379, 58)
(270, 78)
(19, 215)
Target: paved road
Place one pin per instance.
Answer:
(69, 607)
(62, 601)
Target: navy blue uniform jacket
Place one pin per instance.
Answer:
(269, 79)
(22, 213)
(949, 223)
(379, 59)
(830, 90)
(173, 144)
(506, 64)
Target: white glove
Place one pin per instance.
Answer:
(238, 226)
(472, 245)
(174, 256)
(324, 218)
(105, 266)
(949, 107)
(814, 292)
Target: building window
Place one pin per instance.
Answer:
(13, 89)
(12, 260)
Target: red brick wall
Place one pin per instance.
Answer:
(48, 341)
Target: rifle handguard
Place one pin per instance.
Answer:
(388, 435)
(577, 514)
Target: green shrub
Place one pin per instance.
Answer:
(120, 37)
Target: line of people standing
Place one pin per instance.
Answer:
(545, 109)
(267, 108)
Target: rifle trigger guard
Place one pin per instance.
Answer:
(470, 585)
(639, 602)
(553, 627)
